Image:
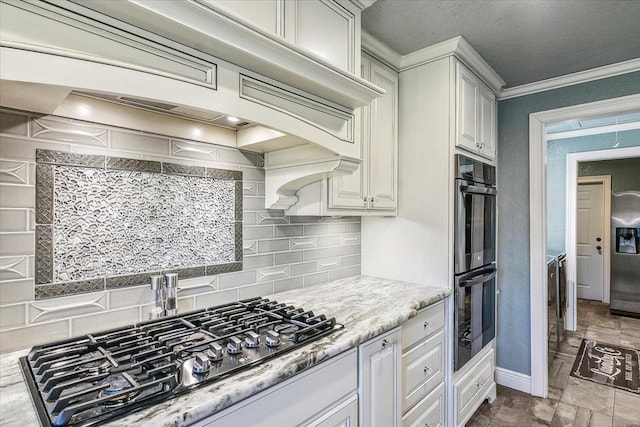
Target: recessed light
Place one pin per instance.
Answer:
(233, 119)
(84, 110)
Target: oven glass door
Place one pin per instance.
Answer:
(475, 219)
(475, 294)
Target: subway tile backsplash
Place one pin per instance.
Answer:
(280, 252)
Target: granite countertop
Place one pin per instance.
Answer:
(366, 306)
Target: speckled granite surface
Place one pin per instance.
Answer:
(366, 306)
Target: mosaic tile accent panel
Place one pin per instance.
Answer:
(110, 222)
(116, 221)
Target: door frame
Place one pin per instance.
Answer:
(571, 231)
(538, 221)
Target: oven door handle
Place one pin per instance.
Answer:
(474, 280)
(476, 189)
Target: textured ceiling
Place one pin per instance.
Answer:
(524, 41)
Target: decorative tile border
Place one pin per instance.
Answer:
(44, 194)
(69, 288)
(121, 163)
(48, 160)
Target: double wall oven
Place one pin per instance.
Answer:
(474, 258)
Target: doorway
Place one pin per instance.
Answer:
(591, 237)
(537, 232)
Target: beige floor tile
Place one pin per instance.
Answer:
(626, 408)
(564, 416)
(507, 417)
(589, 395)
(588, 418)
(559, 369)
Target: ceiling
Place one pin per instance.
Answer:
(523, 40)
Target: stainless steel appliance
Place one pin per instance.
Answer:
(97, 377)
(625, 253)
(557, 293)
(474, 258)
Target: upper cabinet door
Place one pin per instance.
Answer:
(383, 146)
(487, 123)
(350, 191)
(467, 87)
(475, 114)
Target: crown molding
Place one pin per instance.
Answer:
(463, 50)
(380, 51)
(456, 46)
(603, 72)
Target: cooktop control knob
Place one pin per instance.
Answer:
(252, 340)
(201, 363)
(272, 339)
(234, 346)
(215, 352)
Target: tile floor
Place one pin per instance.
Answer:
(572, 401)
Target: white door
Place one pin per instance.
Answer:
(589, 250)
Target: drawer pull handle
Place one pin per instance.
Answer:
(428, 371)
(384, 343)
(479, 385)
(427, 325)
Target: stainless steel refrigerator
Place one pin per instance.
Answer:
(625, 253)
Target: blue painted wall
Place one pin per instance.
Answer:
(514, 329)
(557, 151)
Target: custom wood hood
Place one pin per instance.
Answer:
(194, 59)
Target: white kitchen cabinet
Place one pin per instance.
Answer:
(372, 189)
(474, 385)
(380, 380)
(374, 185)
(326, 28)
(321, 391)
(475, 114)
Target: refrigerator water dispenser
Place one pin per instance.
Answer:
(627, 241)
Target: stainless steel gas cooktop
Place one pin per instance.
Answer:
(90, 379)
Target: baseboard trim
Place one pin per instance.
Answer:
(513, 379)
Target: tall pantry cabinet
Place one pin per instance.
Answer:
(445, 108)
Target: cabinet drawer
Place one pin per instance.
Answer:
(471, 388)
(427, 322)
(429, 412)
(422, 369)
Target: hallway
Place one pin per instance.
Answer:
(572, 401)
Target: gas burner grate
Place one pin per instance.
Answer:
(88, 380)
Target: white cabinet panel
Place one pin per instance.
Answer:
(343, 415)
(380, 380)
(323, 27)
(314, 392)
(264, 14)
